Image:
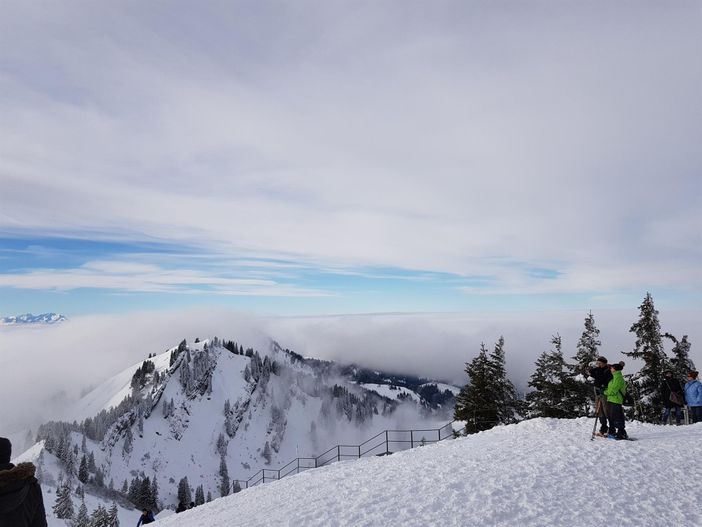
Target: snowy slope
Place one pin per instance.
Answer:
(540, 473)
(391, 392)
(266, 412)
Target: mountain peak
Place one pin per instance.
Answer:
(29, 318)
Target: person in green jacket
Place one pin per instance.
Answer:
(615, 397)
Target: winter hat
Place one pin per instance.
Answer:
(694, 374)
(618, 366)
(5, 450)
(602, 359)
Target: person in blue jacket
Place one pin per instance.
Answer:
(693, 396)
(146, 517)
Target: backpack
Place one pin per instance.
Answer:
(628, 400)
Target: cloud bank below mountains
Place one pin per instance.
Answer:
(46, 368)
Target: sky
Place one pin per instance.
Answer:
(338, 157)
(513, 163)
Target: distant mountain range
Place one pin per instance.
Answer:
(28, 318)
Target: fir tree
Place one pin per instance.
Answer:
(555, 390)
(267, 453)
(681, 362)
(184, 493)
(113, 516)
(199, 495)
(82, 520)
(504, 392)
(649, 348)
(63, 507)
(475, 403)
(83, 470)
(224, 477)
(100, 517)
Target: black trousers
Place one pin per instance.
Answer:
(615, 415)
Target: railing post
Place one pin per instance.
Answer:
(359, 451)
(279, 474)
(338, 452)
(411, 438)
(387, 443)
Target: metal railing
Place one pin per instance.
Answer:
(382, 444)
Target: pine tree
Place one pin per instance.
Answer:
(113, 516)
(100, 517)
(199, 495)
(475, 403)
(648, 347)
(587, 352)
(681, 362)
(83, 470)
(154, 494)
(224, 475)
(63, 507)
(504, 392)
(82, 520)
(554, 393)
(184, 495)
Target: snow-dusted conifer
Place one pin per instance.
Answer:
(82, 519)
(649, 348)
(63, 506)
(83, 470)
(113, 516)
(199, 495)
(184, 493)
(224, 477)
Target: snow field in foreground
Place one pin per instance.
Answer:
(541, 472)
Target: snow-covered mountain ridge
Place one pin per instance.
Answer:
(538, 473)
(213, 412)
(28, 319)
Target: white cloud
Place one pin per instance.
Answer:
(473, 133)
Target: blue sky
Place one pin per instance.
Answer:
(349, 157)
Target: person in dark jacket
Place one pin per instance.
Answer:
(601, 373)
(21, 502)
(146, 517)
(671, 386)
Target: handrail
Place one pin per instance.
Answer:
(269, 474)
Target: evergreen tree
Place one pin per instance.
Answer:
(63, 507)
(82, 520)
(649, 348)
(91, 462)
(100, 517)
(224, 475)
(154, 494)
(199, 495)
(113, 516)
(587, 352)
(555, 390)
(504, 392)
(184, 493)
(209, 496)
(475, 403)
(267, 453)
(681, 362)
(83, 470)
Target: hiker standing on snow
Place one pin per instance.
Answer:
(615, 397)
(21, 502)
(601, 374)
(693, 396)
(672, 397)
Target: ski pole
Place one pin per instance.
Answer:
(598, 406)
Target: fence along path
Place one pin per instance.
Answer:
(382, 444)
